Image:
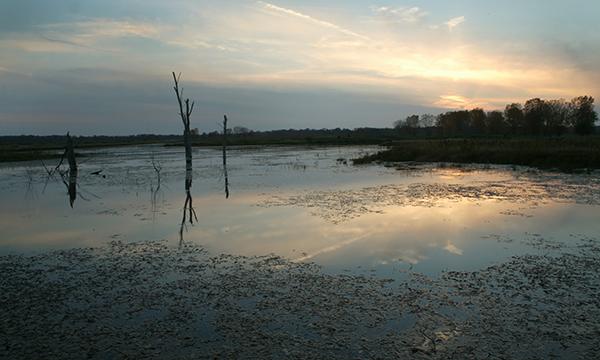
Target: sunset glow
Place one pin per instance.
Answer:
(428, 57)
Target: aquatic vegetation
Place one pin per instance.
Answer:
(527, 189)
(152, 300)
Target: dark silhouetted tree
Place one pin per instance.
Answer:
(453, 122)
(535, 112)
(412, 121)
(557, 116)
(496, 125)
(239, 130)
(513, 113)
(583, 117)
(477, 119)
(427, 120)
(185, 112)
(407, 126)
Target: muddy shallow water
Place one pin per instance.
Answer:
(308, 256)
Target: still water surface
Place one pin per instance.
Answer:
(302, 203)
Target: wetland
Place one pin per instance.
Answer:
(294, 252)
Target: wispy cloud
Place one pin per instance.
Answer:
(463, 102)
(314, 20)
(89, 34)
(453, 249)
(454, 22)
(401, 14)
(383, 52)
(70, 43)
(35, 43)
(95, 34)
(104, 28)
(453, 102)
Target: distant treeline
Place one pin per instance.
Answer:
(363, 135)
(57, 142)
(235, 137)
(34, 147)
(536, 117)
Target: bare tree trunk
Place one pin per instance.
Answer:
(185, 118)
(155, 191)
(187, 141)
(72, 185)
(70, 153)
(71, 181)
(225, 157)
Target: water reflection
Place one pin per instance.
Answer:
(155, 191)
(451, 231)
(447, 235)
(30, 192)
(69, 176)
(71, 185)
(225, 157)
(189, 213)
(225, 175)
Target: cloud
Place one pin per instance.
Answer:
(80, 36)
(390, 54)
(92, 29)
(401, 14)
(454, 102)
(42, 44)
(454, 22)
(101, 34)
(453, 249)
(96, 101)
(322, 23)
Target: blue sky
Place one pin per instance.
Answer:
(103, 67)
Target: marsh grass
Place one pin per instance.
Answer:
(563, 153)
(26, 155)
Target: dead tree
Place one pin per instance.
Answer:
(185, 113)
(70, 154)
(71, 181)
(225, 156)
(185, 118)
(155, 191)
(68, 177)
(157, 169)
(72, 185)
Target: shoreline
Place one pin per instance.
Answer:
(564, 153)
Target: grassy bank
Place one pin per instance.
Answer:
(564, 153)
(24, 148)
(28, 148)
(26, 155)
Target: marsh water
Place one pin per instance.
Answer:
(307, 204)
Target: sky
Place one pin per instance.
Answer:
(103, 67)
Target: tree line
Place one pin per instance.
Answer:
(535, 117)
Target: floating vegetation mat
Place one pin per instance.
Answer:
(344, 205)
(153, 301)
